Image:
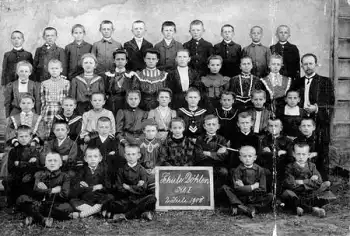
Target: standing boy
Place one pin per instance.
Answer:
(137, 47)
(14, 56)
(199, 49)
(46, 53)
(229, 51)
(103, 49)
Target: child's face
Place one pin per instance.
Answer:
(226, 101)
(132, 154)
(26, 105)
(283, 34)
(274, 127)
(17, 40)
(53, 161)
(192, 99)
(196, 31)
(78, 34)
(177, 129)
(164, 99)
(182, 59)
(133, 100)
(307, 127)
(97, 101)
(256, 34)
(50, 36)
(120, 60)
(292, 99)
(150, 132)
(93, 157)
(211, 126)
(227, 33)
(24, 137)
(55, 69)
(68, 107)
(214, 66)
(245, 124)
(138, 29)
(258, 100)
(275, 65)
(151, 60)
(60, 131)
(247, 156)
(301, 154)
(106, 30)
(89, 65)
(23, 73)
(168, 32)
(103, 128)
(246, 65)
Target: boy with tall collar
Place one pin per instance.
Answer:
(137, 47)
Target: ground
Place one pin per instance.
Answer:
(337, 222)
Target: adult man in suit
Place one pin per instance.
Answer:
(317, 98)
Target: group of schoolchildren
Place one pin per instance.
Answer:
(89, 123)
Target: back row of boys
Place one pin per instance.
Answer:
(199, 49)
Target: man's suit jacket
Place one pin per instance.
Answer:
(136, 55)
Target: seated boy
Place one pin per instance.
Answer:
(210, 150)
(260, 113)
(131, 198)
(243, 84)
(177, 149)
(90, 118)
(304, 188)
(93, 184)
(50, 194)
(244, 136)
(22, 164)
(17, 88)
(248, 192)
(26, 117)
(70, 116)
(129, 120)
(64, 146)
(192, 114)
(214, 82)
(226, 114)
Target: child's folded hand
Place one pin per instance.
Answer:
(281, 152)
(33, 159)
(33, 144)
(83, 184)
(56, 189)
(207, 153)
(299, 181)
(222, 150)
(97, 187)
(111, 153)
(239, 183)
(86, 138)
(16, 163)
(313, 154)
(65, 157)
(125, 186)
(314, 177)
(41, 185)
(266, 149)
(140, 183)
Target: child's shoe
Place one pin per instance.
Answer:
(249, 211)
(119, 217)
(147, 216)
(48, 222)
(234, 211)
(28, 221)
(320, 212)
(300, 211)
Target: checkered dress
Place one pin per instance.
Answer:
(52, 92)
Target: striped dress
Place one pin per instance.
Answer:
(52, 93)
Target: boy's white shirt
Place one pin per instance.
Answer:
(139, 42)
(132, 165)
(23, 87)
(61, 141)
(168, 42)
(227, 41)
(283, 43)
(19, 48)
(184, 78)
(103, 139)
(257, 121)
(291, 111)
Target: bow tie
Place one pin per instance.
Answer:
(256, 44)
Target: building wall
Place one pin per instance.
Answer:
(310, 20)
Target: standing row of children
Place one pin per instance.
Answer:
(118, 176)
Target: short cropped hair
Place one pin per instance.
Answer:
(227, 25)
(301, 145)
(276, 56)
(214, 57)
(61, 122)
(247, 57)
(257, 26)
(152, 51)
(24, 63)
(168, 24)
(49, 28)
(55, 61)
(23, 128)
(132, 146)
(78, 26)
(280, 26)
(210, 117)
(246, 147)
(120, 51)
(228, 93)
(104, 119)
(255, 91)
(98, 93)
(136, 91)
(165, 90)
(92, 147)
(106, 22)
(178, 119)
(193, 89)
(293, 91)
(17, 32)
(275, 119)
(183, 50)
(244, 115)
(308, 118)
(88, 55)
(308, 55)
(149, 122)
(27, 96)
(196, 22)
(138, 22)
(69, 98)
